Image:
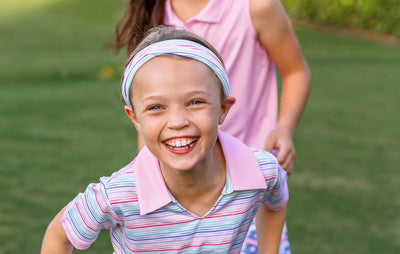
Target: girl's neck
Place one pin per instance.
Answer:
(197, 190)
(187, 9)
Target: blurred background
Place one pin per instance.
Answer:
(62, 124)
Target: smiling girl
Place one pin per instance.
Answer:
(189, 189)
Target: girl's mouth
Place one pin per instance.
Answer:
(180, 143)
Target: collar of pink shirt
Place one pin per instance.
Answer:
(243, 169)
(211, 13)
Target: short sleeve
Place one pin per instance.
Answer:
(275, 177)
(86, 215)
(277, 193)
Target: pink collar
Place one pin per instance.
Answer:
(243, 168)
(211, 13)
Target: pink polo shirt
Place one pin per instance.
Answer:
(143, 216)
(227, 25)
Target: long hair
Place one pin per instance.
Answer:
(140, 16)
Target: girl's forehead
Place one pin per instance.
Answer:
(179, 73)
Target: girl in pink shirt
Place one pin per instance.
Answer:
(253, 37)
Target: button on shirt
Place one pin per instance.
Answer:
(143, 217)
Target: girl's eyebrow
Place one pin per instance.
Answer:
(155, 96)
(191, 93)
(196, 92)
(151, 99)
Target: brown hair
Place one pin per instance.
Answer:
(163, 33)
(140, 16)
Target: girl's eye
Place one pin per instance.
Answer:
(196, 102)
(154, 107)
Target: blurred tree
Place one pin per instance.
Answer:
(375, 15)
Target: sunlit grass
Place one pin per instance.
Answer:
(11, 10)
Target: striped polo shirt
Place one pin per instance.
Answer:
(143, 217)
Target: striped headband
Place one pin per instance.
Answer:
(177, 47)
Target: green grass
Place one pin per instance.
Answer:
(63, 127)
(344, 189)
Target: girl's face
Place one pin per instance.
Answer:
(177, 108)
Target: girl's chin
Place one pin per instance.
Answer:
(179, 167)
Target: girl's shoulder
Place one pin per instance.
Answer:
(125, 174)
(269, 165)
(121, 185)
(262, 6)
(264, 157)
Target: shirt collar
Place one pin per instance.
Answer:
(211, 13)
(243, 168)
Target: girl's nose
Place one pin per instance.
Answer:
(177, 120)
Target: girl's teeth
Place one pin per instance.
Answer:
(181, 143)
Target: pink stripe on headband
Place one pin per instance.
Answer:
(177, 47)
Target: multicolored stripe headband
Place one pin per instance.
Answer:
(177, 47)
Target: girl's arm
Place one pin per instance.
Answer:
(269, 225)
(278, 38)
(55, 240)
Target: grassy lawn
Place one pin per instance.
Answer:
(63, 127)
(344, 191)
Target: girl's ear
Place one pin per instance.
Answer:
(131, 114)
(226, 105)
